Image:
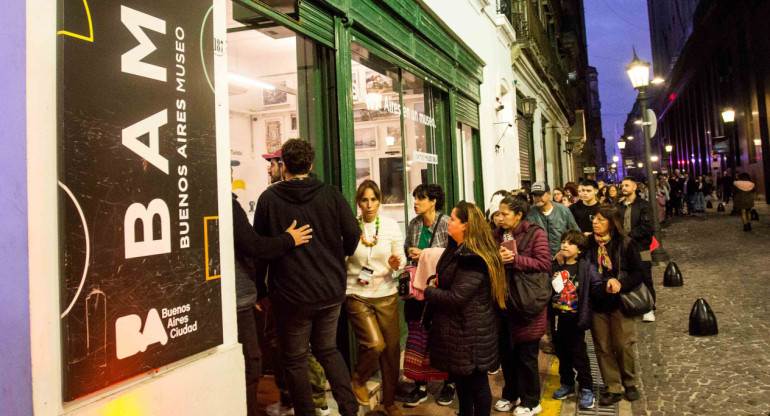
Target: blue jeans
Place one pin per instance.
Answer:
(298, 327)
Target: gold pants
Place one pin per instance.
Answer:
(614, 336)
(375, 323)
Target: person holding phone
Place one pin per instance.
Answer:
(519, 342)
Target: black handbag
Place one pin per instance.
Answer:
(528, 293)
(636, 302)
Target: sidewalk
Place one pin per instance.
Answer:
(728, 373)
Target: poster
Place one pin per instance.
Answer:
(137, 201)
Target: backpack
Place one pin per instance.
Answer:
(528, 293)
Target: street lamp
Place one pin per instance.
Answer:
(653, 158)
(621, 144)
(669, 148)
(615, 159)
(640, 164)
(728, 116)
(639, 74)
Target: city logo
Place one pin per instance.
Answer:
(130, 339)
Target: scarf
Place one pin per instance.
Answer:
(603, 259)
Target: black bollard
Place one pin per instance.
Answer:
(709, 205)
(673, 276)
(754, 215)
(721, 207)
(703, 322)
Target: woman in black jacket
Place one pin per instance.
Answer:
(616, 256)
(468, 287)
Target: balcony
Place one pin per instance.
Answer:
(532, 39)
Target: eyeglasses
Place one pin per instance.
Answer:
(592, 217)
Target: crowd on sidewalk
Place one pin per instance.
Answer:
(479, 291)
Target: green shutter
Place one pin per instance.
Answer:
(466, 111)
(317, 21)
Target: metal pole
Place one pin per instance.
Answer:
(652, 187)
(659, 254)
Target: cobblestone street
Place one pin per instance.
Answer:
(728, 373)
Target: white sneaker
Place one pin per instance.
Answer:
(503, 405)
(649, 316)
(324, 411)
(526, 411)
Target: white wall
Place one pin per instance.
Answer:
(476, 23)
(206, 384)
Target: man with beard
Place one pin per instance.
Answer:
(637, 222)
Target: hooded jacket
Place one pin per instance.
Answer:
(744, 195)
(313, 275)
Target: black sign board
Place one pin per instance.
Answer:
(137, 205)
(720, 145)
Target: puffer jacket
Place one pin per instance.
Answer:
(744, 195)
(464, 331)
(536, 258)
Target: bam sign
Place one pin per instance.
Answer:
(138, 201)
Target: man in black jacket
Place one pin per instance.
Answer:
(248, 246)
(637, 222)
(307, 285)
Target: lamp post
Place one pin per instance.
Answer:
(728, 116)
(639, 74)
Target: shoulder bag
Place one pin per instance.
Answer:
(528, 293)
(638, 301)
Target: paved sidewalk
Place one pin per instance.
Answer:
(724, 374)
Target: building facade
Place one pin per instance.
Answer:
(714, 56)
(551, 66)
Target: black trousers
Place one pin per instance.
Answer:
(252, 355)
(473, 393)
(522, 379)
(570, 344)
(297, 327)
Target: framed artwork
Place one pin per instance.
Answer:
(363, 170)
(273, 136)
(276, 97)
(378, 83)
(366, 138)
(294, 124)
(393, 136)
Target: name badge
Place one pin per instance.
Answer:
(365, 277)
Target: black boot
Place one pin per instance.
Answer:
(747, 227)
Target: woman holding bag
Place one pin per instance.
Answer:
(518, 341)
(372, 299)
(428, 229)
(616, 256)
(463, 299)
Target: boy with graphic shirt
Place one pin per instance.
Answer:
(571, 309)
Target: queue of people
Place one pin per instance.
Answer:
(308, 258)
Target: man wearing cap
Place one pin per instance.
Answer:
(637, 222)
(554, 219)
(275, 170)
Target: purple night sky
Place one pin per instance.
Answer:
(613, 27)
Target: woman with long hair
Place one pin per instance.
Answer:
(427, 230)
(468, 289)
(560, 198)
(617, 258)
(372, 298)
(613, 195)
(519, 342)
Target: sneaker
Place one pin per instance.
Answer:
(587, 400)
(563, 392)
(632, 394)
(324, 411)
(416, 397)
(447, 395)
(493, 372)
(608, 399)
(526, 411)
(504, 405)
(649, 316)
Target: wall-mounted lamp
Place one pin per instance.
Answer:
(621, 144)
(669, 148)
(568, 146)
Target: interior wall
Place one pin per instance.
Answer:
(205, 384)
(16, 381)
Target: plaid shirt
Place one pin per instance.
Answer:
(438, 228)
